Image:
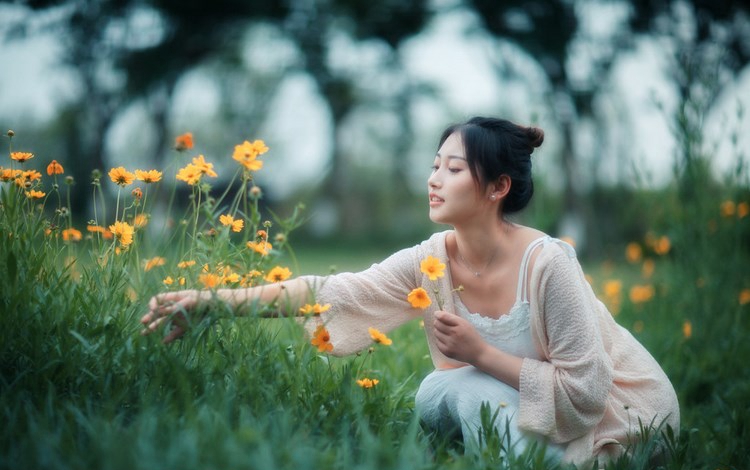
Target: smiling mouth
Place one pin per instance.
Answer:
(434, 198)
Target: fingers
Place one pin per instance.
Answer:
(166, 306)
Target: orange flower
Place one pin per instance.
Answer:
(123, 231)
(228, 220)
(647, 270)
(315, 309)
(209, 280)
(662, 245)
(168, 281)
(633, 252)
(261, 247)
(247, 154)
(71, 235)
(745, 296)
(418, 298)
(106, 234)
(641, 293)
(140, 220)
(612, 288)
(54, 168)
(432, 267)
(278, 274)
(367, 383)
(120, 176)
(687, 329)
(728, 208)
(136, 193)
(21, 156)
(150, 176)
(322, 339)
(183, 142)
(34, 194)
(379, 337)
(8, 174)
(185, 264)
(743, 209)
(154, 262)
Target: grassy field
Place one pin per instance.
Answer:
(81, 388)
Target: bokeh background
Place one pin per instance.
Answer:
(351, 96)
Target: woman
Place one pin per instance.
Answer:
(517, 326)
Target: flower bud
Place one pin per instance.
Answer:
(256, 192)
(11, 133)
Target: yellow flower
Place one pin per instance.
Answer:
(261, 247)
(278, 274)
(185, 264)
(367, 383)
(379, 337)
(209, 280)
(228, 220)
(418, 298)
(120, 176)
(150, 176)
(123, 231)
(743, 209)
(203, 166)
(432, 267)
(21, 156)
(247, 154)
(183, 142)
(745, 296)
(641, 293)
(315, 309)
(190, 174)
(687, 329)
(71, 235)
(154, 262)
(34, 194)
(168, 281)
(322, 339)
(633, 252)
(54, 168)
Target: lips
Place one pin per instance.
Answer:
(435, 200)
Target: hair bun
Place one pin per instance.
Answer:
(535, 135)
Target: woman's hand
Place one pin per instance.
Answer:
(457, 338)
(174, 307)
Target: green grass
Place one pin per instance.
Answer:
(81, 388)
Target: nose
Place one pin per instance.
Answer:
(433, 181)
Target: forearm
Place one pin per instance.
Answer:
(499, 364)
(285, 298)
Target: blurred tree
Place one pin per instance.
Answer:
(312, 24)
(711, 45)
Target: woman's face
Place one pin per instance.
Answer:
(454, 195)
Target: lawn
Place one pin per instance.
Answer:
(81, 388)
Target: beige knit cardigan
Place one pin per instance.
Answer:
(596, 382)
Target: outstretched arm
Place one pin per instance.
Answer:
(288, 296)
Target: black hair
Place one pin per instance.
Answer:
(496, 147)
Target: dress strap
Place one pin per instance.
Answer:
(522, 292)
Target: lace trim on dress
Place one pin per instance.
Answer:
(503, 328)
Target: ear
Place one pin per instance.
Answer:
(500, 188)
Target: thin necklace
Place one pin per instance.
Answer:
(474, 271)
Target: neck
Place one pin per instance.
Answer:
(480, 246)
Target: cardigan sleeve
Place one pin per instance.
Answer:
(565, 396)
(375, 297)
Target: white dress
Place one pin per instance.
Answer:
(449, 400)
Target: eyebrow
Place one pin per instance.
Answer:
(451, 157)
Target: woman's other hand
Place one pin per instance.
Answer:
(457, 338)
